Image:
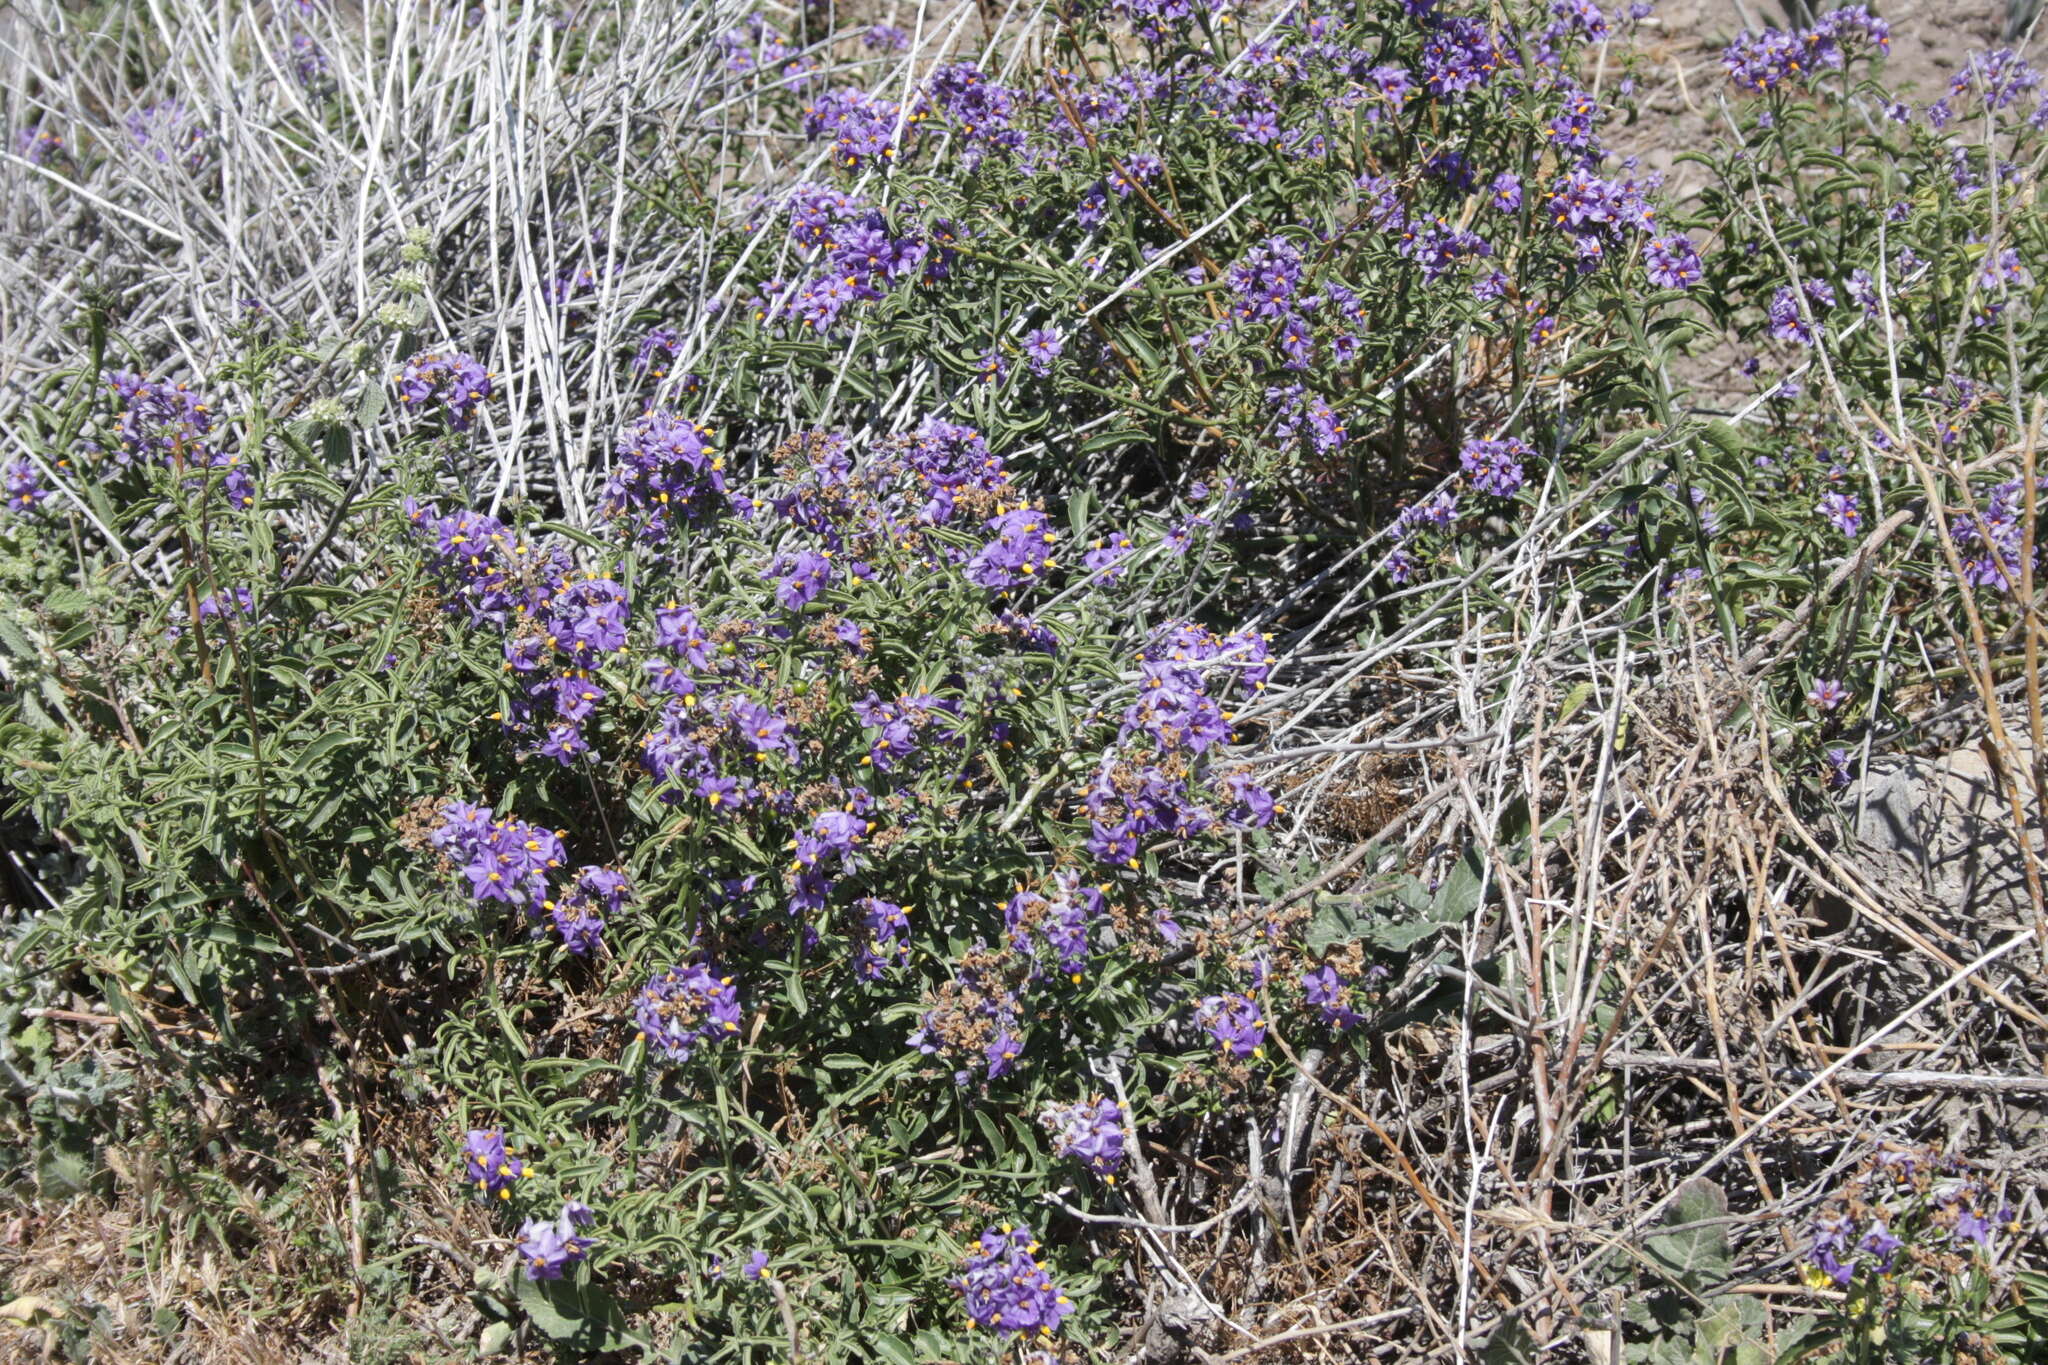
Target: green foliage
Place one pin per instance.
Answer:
(260, 652)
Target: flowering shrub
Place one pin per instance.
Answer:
(772, 757)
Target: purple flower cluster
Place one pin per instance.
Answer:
(1997, 78)
(487, 1165)
(1597, 213)
(905, 726)
(1235, 1021)
(161, 421)
(169, 134)
(1006, 1288)
(684, 1006)
(1296, 411)
(1021, 550)
(657, 351)
(1091, 1132)
(1767, 60)
(1266, 279)
(1057, 918)
(514, 863)
(1434, 513)
(1186, 677)
(978, 111)
(1496, 466)
(457, 379)
(483, 568)
(1789, 322)
(547, 1248)
(1330, 995)
(170, 424)
(665, 470)
(859, 255)
(862, 128)
(884, 939)
(1992, 538)
(1936, 1200)
(1672, 262)
(1461, 55)
(24, 485)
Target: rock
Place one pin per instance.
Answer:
(1943, 827)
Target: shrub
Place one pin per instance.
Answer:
(775, 723)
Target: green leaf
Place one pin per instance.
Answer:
(1510, 1343)
(1573, 700)
(318, 749)
(65, 1160)
(1694, 1256)
(581, 1315)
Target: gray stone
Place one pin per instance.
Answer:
(1942, 827)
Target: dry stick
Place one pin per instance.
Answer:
(1954, 1082)
(775, 1288)
(1981, 678)
(1302, 1333)
(2031, 616)
(1819, 1078)
(1850, 887)
(1408, 1170)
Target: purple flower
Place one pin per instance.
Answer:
(1021, 549)
(457, 379)
(1266, 278)
(546, 1249)
(1827, 694)
(1842, 511)
(37, 144)
(1496, 466)
(1105, 559)
(861, 126)
(1091, 1132)
(756, 1267)
(1235, 1022)
(24, 483)
(1041, 348)
(803, 576)
(1327, 991)
(1994, 533)
(169, 133)
(1005, 1287)
(666, 469)
(1838, 768)
(579, 924)
(1507, 192)
(1879, 1242)
(885, 931)
(1460, 55)
(487, 1165)
(1671, 262)
(684, 1006)
(1252, 806)
(1787, 322)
